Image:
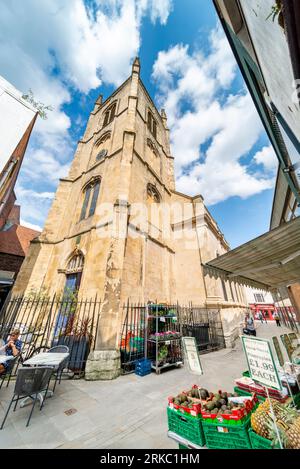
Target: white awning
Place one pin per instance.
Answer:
(272, 259)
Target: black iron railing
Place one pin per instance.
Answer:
(46, 322)
(193, 321)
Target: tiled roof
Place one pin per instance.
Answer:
(16, 240)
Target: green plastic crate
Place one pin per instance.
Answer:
(222, 436)
(182, 446)
(186, 426)
(258, 442)
(297, 400)
(242, 392)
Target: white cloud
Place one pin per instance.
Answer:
(267, 158)
(35, 204)
(55, 47)
(212, 132)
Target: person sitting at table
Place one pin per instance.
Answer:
(12, 348)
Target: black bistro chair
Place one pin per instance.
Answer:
(59, 370)
(30, 382)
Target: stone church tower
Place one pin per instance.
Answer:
(100, 239)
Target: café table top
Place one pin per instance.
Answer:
(44, 358)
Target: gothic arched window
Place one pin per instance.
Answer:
(109, 114)
(151, 124)
(75, 264)
(73, 276)
(152, 194)
(91, 192)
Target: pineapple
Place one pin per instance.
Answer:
(259, 421)
(287, 424)
(293, 435)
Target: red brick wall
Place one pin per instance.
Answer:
(10, 262)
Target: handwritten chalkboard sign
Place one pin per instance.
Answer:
(260, 360)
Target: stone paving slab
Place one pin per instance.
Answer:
(129, 412)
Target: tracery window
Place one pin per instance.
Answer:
(109, 114)
(91, 193)
(75, 264)
(151, 124)
(152, 194)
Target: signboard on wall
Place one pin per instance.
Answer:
(192, 355)
(261, 362)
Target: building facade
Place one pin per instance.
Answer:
(266, 47)
(118, 229)
(260, 301)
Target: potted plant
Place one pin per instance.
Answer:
(78, 337)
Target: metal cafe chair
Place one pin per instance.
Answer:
(9, 370)
(59, 370)
(30, 382)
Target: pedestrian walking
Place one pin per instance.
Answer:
(265, 317)
(260, 316)
(249, 328)
(277, 319)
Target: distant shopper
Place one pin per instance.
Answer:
(249, 328)
(260, 316)
(265, 316)
(277, 319)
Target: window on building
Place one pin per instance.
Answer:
(224, 290)
(94, 198)
(91, 194)
(151, 124)
(259, 298)
(236, 292)
(153, 194)
(109, 114)
(87, 194)
(231, 290)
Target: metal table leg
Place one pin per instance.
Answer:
(41, 397)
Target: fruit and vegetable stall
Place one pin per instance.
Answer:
(241, 419)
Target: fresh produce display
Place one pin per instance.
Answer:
(168, 335)
(188, 402)
(228, 406)
(220, 405)
(287, 422)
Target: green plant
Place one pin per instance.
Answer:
(79, 328)
(38, 294)
(40, 107)
(162, 352)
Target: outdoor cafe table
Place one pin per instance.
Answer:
(44, 359)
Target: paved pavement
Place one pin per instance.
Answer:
(129, 412)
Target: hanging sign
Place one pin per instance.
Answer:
(192, 355)
(261, 362)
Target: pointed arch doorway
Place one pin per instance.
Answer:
(73, 274)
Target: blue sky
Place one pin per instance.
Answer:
(70, 52)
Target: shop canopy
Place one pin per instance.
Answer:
(272, 260)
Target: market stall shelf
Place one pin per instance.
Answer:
(164, 346)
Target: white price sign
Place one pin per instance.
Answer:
(261, 362)
(192, 355)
